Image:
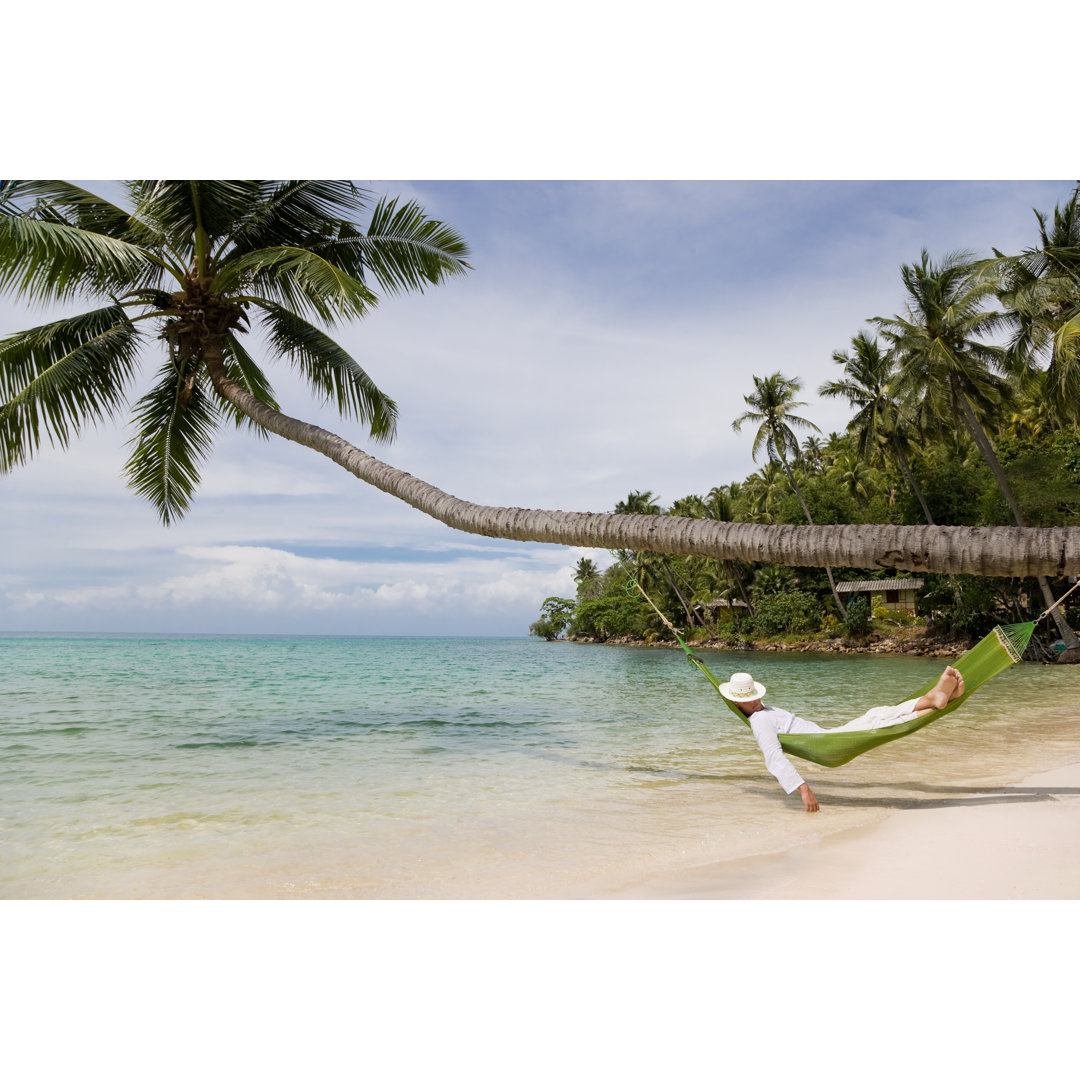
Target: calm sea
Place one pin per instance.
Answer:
(184, 766)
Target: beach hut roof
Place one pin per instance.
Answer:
(881, 585)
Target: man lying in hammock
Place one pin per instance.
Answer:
(767, 722)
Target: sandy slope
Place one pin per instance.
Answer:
(1020, 842)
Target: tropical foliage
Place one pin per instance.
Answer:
(739, 602)
(186, 268)
(555, 617)
(965, 413)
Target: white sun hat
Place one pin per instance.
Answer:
(742, 688)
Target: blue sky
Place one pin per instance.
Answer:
(602, 343)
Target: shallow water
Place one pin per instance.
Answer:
(175, 766)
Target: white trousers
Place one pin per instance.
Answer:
(881, 716)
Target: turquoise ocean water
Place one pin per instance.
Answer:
(184, 766)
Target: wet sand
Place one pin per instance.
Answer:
(983, 842)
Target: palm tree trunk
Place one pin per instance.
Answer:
(734, 570)
(986, 448)
(683, 602)
(1003, 551)
(905, 468)
(688, 589)
(810, 520)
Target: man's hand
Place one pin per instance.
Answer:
(808, 799)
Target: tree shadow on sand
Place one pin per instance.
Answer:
(951, 794)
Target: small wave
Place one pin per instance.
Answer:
(219, 744)
(464, 722)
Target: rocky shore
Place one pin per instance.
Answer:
(907, 645)
(903, 641)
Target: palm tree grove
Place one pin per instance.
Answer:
(966, 414)
(960, 465)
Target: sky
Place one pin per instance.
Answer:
(602, 343)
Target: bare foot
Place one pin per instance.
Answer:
(959, 691)
(949, 686)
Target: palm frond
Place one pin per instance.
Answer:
(74, 204)
(48, 261)
(332, 372)
(176, 422)
(295, 278)
(8, 189)
(763, 437)
(402, 248)
(242, 369)
(799, 421)
(56, 378)
(178, 207)
(1063, 374)
(293, 212)
(748, 417)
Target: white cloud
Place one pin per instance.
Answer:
(263, 581)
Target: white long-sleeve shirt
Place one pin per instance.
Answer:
(769, 722)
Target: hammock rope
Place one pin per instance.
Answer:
(1060, 600)
(1000, 649)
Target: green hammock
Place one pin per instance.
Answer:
(1001, 648)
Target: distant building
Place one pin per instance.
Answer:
(893, 594)
(724, 608)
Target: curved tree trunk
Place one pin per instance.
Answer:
(986, 448)
(688, 611)
(810, 520)
(1001, 551)
(734, 570)
(905, 468)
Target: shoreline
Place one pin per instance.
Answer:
(988, 841)
(934, 648)
(609, 776)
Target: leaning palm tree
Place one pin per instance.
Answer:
(295, 249)
(772, 407)
(945, 362)
(879, 419)
(189, 266)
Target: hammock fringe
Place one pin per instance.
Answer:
(1015, 638)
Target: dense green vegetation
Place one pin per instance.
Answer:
(966, 412)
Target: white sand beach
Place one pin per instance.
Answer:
(1013, 842)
